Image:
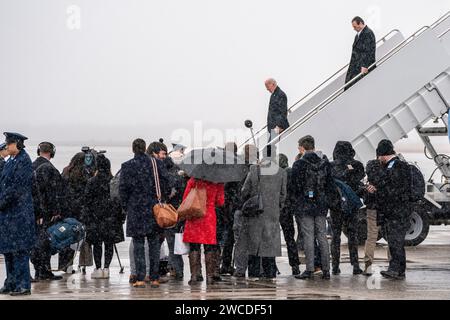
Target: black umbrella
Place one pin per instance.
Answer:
(214, 165)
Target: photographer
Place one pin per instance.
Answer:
(48, 206)
(103, 217)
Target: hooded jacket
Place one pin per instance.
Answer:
(345, 167)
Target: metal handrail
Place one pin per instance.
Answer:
(433, 25)
(320, 85)
(438, 21)
(444, 33)
(338, 92)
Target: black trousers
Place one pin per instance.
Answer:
(338, 220)
(98, 253)
(228, 241)
(41, 254)
(396, 233)
(268, 265)
(287, 225)
(65, 259)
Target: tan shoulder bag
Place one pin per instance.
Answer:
(165, 214)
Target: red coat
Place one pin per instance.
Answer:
(203, 230)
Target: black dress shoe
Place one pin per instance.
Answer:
(357, 270)
(179, 277)
(226, 271)
(50, 276)
(390, 274)
(326, 275)
(5, 290)
(305, 275)
(401, 276)
(336, 271)
(21, 292)
(295, 270)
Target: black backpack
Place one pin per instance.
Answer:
(417, 184)
(315, 184)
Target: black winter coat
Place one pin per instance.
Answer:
(394, 192)
(74, 197)
(138, 194)
(300, 169)
(102, 216)
(2, 164)
(48, 187)
(277, 115)
(177, 182)
(363, 53)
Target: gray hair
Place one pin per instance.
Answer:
(271, 80)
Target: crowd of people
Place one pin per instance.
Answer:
(35, 196)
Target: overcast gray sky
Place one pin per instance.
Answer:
(134, 67)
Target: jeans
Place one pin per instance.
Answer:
(338, 220)
(17, 271)
(268, 266)
(154, 247)
(133, 260)
(315, 227)
(175, 260)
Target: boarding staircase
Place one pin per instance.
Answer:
(409, 87)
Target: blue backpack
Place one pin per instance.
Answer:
(350, 202)
(65, 233)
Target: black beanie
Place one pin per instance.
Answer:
(385, 148)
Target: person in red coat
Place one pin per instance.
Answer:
(203, 231)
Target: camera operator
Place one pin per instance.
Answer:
(75, 177)
(47, 197)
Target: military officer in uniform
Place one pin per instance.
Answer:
(17, 221)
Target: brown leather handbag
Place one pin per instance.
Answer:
(165, 214)
(194, 206)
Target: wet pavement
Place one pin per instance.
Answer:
(428, 277)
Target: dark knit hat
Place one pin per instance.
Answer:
(385, 148)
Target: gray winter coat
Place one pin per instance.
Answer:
(263, 236)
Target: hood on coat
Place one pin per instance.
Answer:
(313, 158)
(343, 151)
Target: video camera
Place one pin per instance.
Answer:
(90, 156)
